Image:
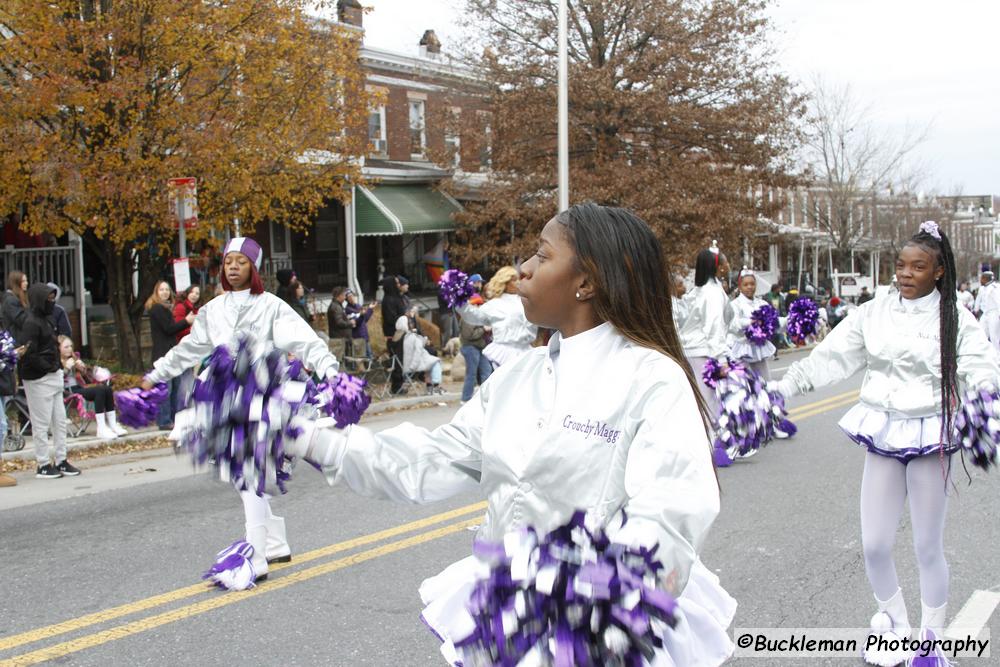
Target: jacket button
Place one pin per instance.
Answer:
(548, 369)
(541, 423)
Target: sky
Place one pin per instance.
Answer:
(931, 64)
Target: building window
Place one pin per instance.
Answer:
(328, 236)
(418, 134)
(280, 242)
(452, 137)
(486, 142)
(376, 131)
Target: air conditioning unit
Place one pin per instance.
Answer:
(380, 146)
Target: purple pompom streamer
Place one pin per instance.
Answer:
(571, 597)
(455, 288)
(750, 414)
(763, 324)
(803, 318)
(8, 357)
(139, 407)
(711, 373)
(239, 414)
(342, 398)
(977, 426)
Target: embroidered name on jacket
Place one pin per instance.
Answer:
(595, 428)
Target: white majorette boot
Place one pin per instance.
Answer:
(931, 627)
(277, 550)
(104, 432)
(890, 626)
(257, 537)
(113, 423)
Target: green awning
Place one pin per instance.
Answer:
(387, 210)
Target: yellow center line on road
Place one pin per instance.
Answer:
(829, 407)
(222, 600)
(839, 399)
(189, 591)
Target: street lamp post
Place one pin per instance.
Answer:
(563, 148)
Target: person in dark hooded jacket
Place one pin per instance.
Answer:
(43, 384)
(393, 306)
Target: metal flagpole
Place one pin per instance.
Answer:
(563, 111)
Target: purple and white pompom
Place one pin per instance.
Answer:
(750, 415)
(803, 318)
(233, 568)
(8, 356)
(977, 426)
(571, 597)
(139, 407)
(342, 398)
(763, 324)
(711, 373)
(456, 288)
(237, 416)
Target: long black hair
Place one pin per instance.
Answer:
(706, 266)
(940, 248)
(624, 260)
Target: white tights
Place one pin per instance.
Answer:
(884, 488)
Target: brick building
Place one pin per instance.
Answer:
(429, 115)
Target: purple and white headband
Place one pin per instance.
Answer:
(248, 247)
(931, 227)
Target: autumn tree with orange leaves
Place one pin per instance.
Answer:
(676, 110)
(104, 100)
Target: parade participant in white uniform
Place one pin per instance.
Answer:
(703, 334)
(987, 306)
(679, 307)
(965, 297)
(606, 419)
(245, 308)
(915, 346)
(513, 334)
(743, 307)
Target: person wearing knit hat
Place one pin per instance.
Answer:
(284, 277)
(245, 308)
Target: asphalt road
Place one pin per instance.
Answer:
(110, 577)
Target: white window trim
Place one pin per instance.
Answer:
(454, 136)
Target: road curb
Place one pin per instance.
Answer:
(84, 443)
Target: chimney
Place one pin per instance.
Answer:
(430, 46)
(350, 12)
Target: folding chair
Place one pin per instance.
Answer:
(79, 415)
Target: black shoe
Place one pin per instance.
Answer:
(68, 469)
(48, 471)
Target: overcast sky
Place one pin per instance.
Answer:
(918, 62)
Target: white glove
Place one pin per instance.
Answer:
(318, 442)
(332, 372)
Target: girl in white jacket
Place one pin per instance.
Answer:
(244, 308)
(512, 333)
(743, 307)
(606, 419)
(703, 333)
(916, 346)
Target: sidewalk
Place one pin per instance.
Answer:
(88, 441)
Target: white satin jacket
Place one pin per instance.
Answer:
(505, 314)
(270, 320)
(896, 342)
(591, 422)
(703, 333)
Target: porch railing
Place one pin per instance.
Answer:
(55, 264)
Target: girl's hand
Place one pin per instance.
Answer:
(19, 351)
(145, 385)
(190, 318)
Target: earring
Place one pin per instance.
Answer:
(578, 295)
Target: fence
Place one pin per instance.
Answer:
(55, 264)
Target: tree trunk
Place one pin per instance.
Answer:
(119, 267)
